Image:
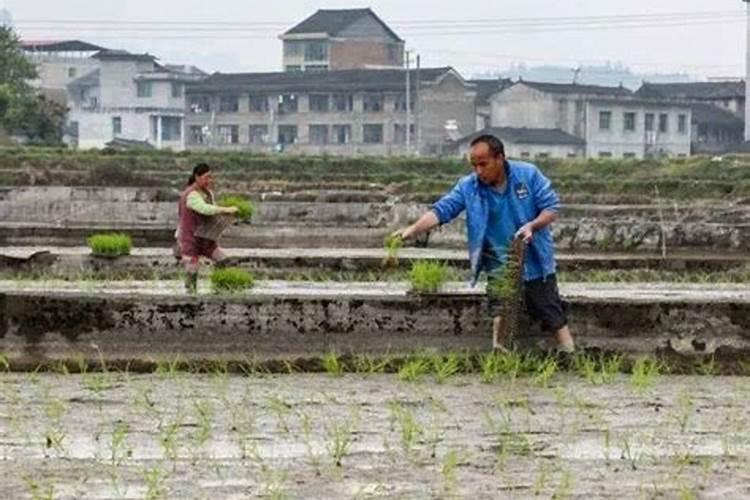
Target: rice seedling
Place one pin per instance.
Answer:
(339, 436)
(393, 244)
(332, 364)
(414, 369)
(110, 244)
(444, 367)
(410, 429)
(245, 209)
(545, 370)
(451, 459)
(231, 280)
(155, 480)
(427, 276)
(369, 365)
(645, 372)
(685, 409)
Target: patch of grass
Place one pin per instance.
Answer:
(339, 441)
(427, 276)
(444, 367)
(231, 279)
(409, 427)
(110, 244)
(245, 209)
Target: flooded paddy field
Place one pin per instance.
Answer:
(179, 435)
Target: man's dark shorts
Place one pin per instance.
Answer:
(543, 303)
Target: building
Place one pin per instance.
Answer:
(715, 130)
(341, 39)
(527, 143)
(59, 63)
(485, 90)
(718, 111)
(357, 111)
(728, 95)
(613, 122)
(129, 96)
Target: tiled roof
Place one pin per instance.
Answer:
(712, 115)
(575, 88)
(485, 88)
(343, 80)
(523, 135)
(694, 90)
(59, 46)
(334, 21)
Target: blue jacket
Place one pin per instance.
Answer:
(530, 193)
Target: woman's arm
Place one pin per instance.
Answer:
(196, 203)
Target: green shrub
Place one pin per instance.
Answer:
(110, 244)
(245, 209)
(427, 276)
(231, 279)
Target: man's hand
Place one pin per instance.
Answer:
(526, 233)
(404, 233)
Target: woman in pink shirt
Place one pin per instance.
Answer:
(195, 206)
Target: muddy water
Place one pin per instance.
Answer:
(175, 435)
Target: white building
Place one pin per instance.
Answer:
(129, 96)
(612, 121)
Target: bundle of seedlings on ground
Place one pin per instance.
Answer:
(427, 276)
(393, 244)
(110, 244)
(505, 288)
(231, 279)
(245, 208)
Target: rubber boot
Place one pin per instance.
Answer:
(191, 283)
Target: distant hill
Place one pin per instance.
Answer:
(608, 74)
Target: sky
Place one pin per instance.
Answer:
(705, 38)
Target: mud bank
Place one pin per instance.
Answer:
(47, 321)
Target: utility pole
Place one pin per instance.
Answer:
(747, 75)
(417, 106)
(408, 104)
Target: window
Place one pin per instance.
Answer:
(316, 51)
(72, 72)
(200, 104)
(343, 102)
(629, 122)
(682, 123)
(663, 122)
(319, 103)
(171, 128)
(116, 126)
(628, 155)
(372, 134)
(196, 134)
(318, 134)
(258, 103)
(293, 68)
(316, 67)
(229, 104)
(400, 103)
(605, 120)
(287, 134)
(605, 154)
(399, 133)
(177, 90)
(228, 134)
(144, 89)
(258, 134)
(293, 48)
(342, 134)
(372, 103)
(649, 122)
(288, 103)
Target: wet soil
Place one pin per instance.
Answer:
(176, 435)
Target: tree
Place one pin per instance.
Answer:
(23, 112)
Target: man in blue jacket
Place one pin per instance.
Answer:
(506, 199)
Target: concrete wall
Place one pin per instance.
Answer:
(516, 151)
(54, 71)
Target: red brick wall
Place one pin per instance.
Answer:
(360, 53)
